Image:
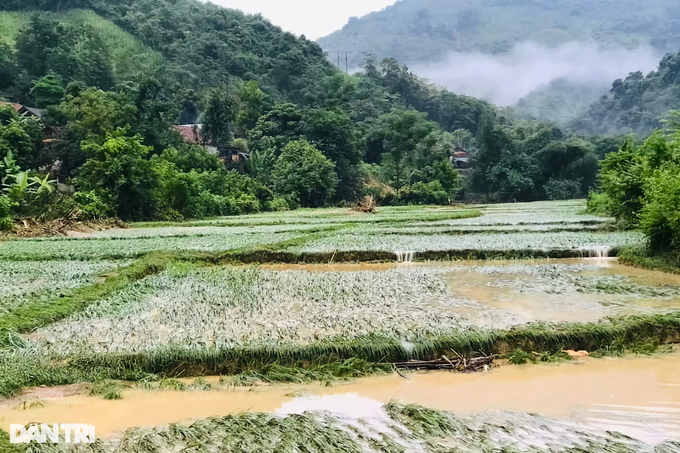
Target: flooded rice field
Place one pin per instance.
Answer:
(639, 397)
(502, 294)
(187, 306)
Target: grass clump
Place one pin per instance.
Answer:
(327, 373)
(620, 347)
(172, 385)
(520, 357)
(108, 389)
(643, 258)
(7, 447)
(423, 422)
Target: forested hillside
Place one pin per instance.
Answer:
(637, 103)
(417, 31)
(114, 77)
(205, 45)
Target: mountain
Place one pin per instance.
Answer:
(423, 31)
(199, 44)
(637, 103)
(127, 54)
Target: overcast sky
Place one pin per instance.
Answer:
(312, 18)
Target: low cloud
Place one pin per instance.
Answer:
(505, 79)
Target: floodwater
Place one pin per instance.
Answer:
(637, 396)
(508, 298)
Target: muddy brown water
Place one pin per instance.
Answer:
(637, 396)
(491, 299)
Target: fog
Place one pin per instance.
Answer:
(505, 79)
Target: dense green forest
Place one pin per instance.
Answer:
(561, 101)
(114, 77)
(641, 188)
(417, 31)
(637, 103)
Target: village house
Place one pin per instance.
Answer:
(50, 134)
(461, 158)
(231, 157)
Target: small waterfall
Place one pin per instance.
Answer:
(405, 257)
(596, 251)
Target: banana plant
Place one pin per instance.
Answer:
(9, 165)
(24, 184)
(21, 185)
(43, 184)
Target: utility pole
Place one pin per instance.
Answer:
(338, 59)
(346, 62)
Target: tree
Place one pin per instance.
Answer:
(22, 137)
(330, 131)
(252, 105)
(219, 116)
(393, 142)
(119, 172)
(7, 66)
(303, 174)
(87, 114)
(48, 91)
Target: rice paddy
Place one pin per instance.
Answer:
(134, 247)
(166, 300)
(28, 281)
(578, 242)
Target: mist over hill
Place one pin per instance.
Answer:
(505, 79)
(424, 31)
(524, 50)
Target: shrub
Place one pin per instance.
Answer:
(562, 189)
(5, 213)
(660, 216)
(303, 173)
(598, 203)
(277, 204)
(92, 206)
(421, 193)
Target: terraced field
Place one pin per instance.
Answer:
(251, 296)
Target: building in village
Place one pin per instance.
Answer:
(231, 157)
(50, 134)
(461, 159)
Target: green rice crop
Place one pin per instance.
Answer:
(39, 311)
(27, 282)
(188, 307)
(224, 307)
(565, 279)
(436, 228)
(351, 241)
(95, 249)
(328, 216)
(30, 365)
(166, 232)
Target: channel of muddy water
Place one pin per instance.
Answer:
(637, 396)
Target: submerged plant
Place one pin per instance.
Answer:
(109, 390)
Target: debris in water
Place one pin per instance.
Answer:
(577, 354)
(469, 365)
